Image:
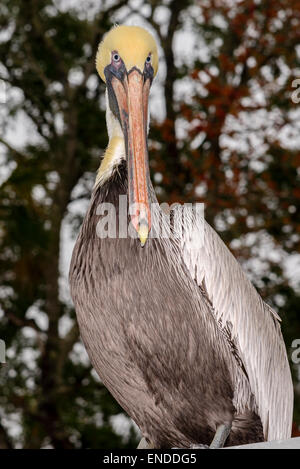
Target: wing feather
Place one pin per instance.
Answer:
(255, 326)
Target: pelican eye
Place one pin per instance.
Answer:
(148, 59)
(116, 57)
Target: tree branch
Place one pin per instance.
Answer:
(5, 441)
(23, 322)
(12, 149)
(40, 34)
(68, 342)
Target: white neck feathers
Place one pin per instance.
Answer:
(115, 151)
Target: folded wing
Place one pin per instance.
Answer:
(255, 327)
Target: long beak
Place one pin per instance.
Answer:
(132, 96)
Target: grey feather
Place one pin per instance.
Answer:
(179, 355)
(255, 326)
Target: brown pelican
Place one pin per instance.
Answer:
(172, 325)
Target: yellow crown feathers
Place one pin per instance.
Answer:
(133, 45)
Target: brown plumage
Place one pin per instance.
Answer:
(163, 357)
(175, 330)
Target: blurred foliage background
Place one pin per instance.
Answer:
(225, 131)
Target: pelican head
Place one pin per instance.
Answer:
(127, 61)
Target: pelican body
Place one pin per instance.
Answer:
(173, 327)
